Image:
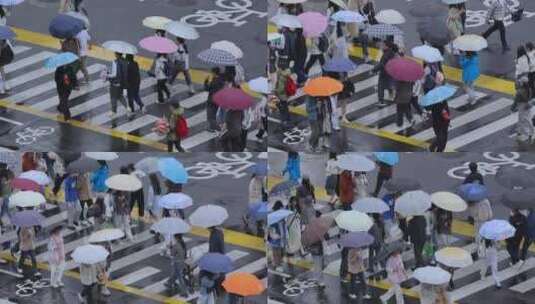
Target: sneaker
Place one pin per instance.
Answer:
(352, 296)
(37, 274)
(382, 104)
(82, 300)
(367, 296)
(60, 284)
(54, 286)
(105, 291)
(19, 270)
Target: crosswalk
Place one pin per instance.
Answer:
(33, 85)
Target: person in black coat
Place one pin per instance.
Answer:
(474, 175)
(440, 114)
(417, 234)
(231, 140)
(64, 84)
(385, 81)
(133, 81)
(300, 56)
(216, 240)
(519, 221)
(212, 86)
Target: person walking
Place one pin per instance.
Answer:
(491, 254)
(306, 199)
(469, 62)
(216, 240)
(84, 39)
(396, 275)
(160, 73)
(355, 268)
(316, 250)
(283, 91)
(72, 202)
(385, 174)
(402, 100)
(378, 232)
(314, 121)
(84, 195)
(6, 57)
(63, 77)
(180, 61)
(440, 114)
(231, 138)
(133, 83)
(27, 250)
(56, 257)
(207, 287)
(293, 167)
(178, 255)
(384, 81)
(519, 221)
(454, 24)
(277, 240)
(443, 220)
(497, 12)
(122, 213)
(213, 85)
(417, 234)
(88, 278)
(318, 46)
(139, 195)
(177, 127)
(332, 172)
(474, 175)
(529, 237)
(300, 57)
(117, 77)
(347, 189)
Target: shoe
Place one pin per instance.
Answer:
(54, 286)
(367, 296)
(352, 296)
(60, 284)
(498, 286)
(82, 300)
(37, 274)
(19, 270)
(382, 104)
(106, 292)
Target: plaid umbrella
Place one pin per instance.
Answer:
(402, 184)
(382, 31)
(217, 57)
(340, 65)
(434, 31)
(316, 230)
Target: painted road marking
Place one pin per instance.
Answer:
(253, 267)
(138, 275)
(194, 100)
(524, 286)
(54, 100)
(19, 64)
(198, 139)
(137, 123)
(11, 121)
(13, 274)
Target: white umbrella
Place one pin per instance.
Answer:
(413, 203)
(38, 177)
(370, 205)
(449, 2)
(182, 30)
(354, 221)
(470, 42)
(26, 199)
(432, 275)
(171, 225)
(390, 16)
(340, 3)
(89, 254)
(228, 46)
(448, 201)
(291, 1)
(80, 16)
(454, 257)
(106, 235)
(259, 85)
(118, 46)
(355, 162)
(286, 20)
(175, 200)
(156, 22)
(208, 216)
(497, 230)
(148, 165)
(102, 155)
(427, 53)
(124, 182)
(348, 16)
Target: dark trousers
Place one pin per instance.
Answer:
(403, 109)
(284, 113)
(161, 87)
(381, 178)
(138, 197)
(58, 180)
(312, 60)
(28, 254)
(231, 142)
(418, 249)
(63, 106)
(315, 133)
(441, 139)
(363, 40)
(343, 264)
(513, 248)
(87, 293)
(211, 112)
(354, 289)
(243, 138)
(176, 143)
(382, 85)
(299, 70)
(82, 204)
(498, 25)
(527, 243)
(133, 95)
(415, 105)
(261, 131)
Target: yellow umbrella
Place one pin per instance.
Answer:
(448, 201)
(454, 257)
(156, 22)
(323, 87)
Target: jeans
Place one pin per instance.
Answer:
(383, 84)
(133, 95)
(343, 263)
(116, 94)
(418, 248)
(498, 25)
(231, 143)
(28, 254)
(439, 144)
(161, 87)
(513, 249)
(263, 128)
(243, 139)
(177, 274)
(312, 60)
(186, 73)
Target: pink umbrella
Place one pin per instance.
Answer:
(404, 69)
(314, 24)
(158, 44)
(25, 184)
(233, 99)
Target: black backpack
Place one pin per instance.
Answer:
(7, 55)
(323, 44)
(429, 81)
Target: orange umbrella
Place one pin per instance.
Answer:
(323, 87)
(243, 284)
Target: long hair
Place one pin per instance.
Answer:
(155, 183)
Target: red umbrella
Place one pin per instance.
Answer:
(404, 69)
(233, 99)
(25, 184)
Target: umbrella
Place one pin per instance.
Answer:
(515, 178)
(259, 85)
(228, 46)
(314, 23)
(286, 20)
(450, 2)
(147, 165)
(156, 22)
(291, 1)
(497, 230)
(370, 205)
(402, 184)
(282, 187)
(339, 65)
(382, 31)
(10, 2)
(432, 275)
(120, 47)
(454, 257)
(426, 8)
(434, 31)
(64, 26)
(124, 182)
(171, 225)
(26, 199)
(208, 216)
(323, 87)
(37, 176)
(79, 16)
(215, 263)
(356, 239)
(6, 32)
(404, 69)
(243, 284)
(437, 95)
(470, 42)
(413, 203)
(89, 254)
(107, 156)
(259, 169)
(217, 57)
(355, 162)
(390, 16)
(233, 99)
(25, 184)
(69, 157)
(106, 235)
(339, 3)
(158, 44)
(473, 192)
(60, 59)
(277, 216)
(182, 30)
(315, 231)
(83, 165)
(448, 201)
(348, 16)
(427, 53)
(175, 200)
(519, 199)
(388, 248)
(259, 210)
(27, 218)
(273, 37)
(173, 170)
(389, 158)
(354, 221)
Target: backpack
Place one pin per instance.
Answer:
(6, 55)
(323, 44)
(290, 87)
(181, 127)
(168, 68)
(430, 79)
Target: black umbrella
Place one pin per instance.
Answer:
(434, 31)
(515, 178)
(69, 157)
(427, 8)
(519, 199)
(401, 184)
(83, 165)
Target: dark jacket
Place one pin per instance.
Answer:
(216, 241)
(133, 76)
(300, 50)
(437, 114)
(519, 221)
(403, 92)
(416, 229)
(233, 120)
(216, 84)
(380, 67)
(473, 177)
(59, 76)
(530, 226)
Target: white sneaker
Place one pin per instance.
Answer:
(54, 286)
(60, 284)
(352, 296)
(82, 300)
(367, 296)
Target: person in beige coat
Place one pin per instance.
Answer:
(356, 268)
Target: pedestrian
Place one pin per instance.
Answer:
(474, 175)
(316, 250)
(530, 48)
(347, 189)
(72, 45)
(481, 212)
(177, 127)
(497, 13)
(355, 268)
(73, 205)
(6, 176)
(63, 77)
(300, 57)
(103, 271)
(161, 66)
(277, 241)
(216, 240)
(207, 287)
(389, 216)
(98, 179)
(294, 227)
(293, 167)
(443, 221)
(396, 275)
(313, 117)
(178, 252)
(56, 257)
(180, 62)
(524, 127)
(138, 196)
(384, 81)
(440, 114)
(519, 221)
(263, 110)
(378, 232)
(84, 195)
(417, 234)
(338, 47)
(284, 87)
(402, 100)
(469, 62)
(213, 85)
(491, 261)
(454, 24)
(133, 83)
(249, 120)
(83, 38)
(117, 77)
(318, 46)
(365, 8)
(385, 174)
(232, 131)
(332, 172)
(433, 294)
(529, 237)
(27, 250)
(6, 57)
(122, 211)
(88, 278)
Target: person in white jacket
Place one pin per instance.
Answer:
(180, 59)
(161, 78)
(491, 254)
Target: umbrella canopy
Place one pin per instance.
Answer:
(291, 1)
(450, 2)
(37, 176)
(473, 192)
(382, 31)
(370, 205)
(60, 59)
(277, 216)
(519, 199)
(118, 46)
(339, 3)
(260, 168)
(173, 170)
(107, 156)
(448, 201)
(354, 221)
(64, 26)
(425, 8)
(83, 165)
(89, 254)
(497, 230)
(228, 46)
(208, 216)
(432, 275)
(156, 22)
(171, 225)
(158, 44)
(286, 20)
(175, 200)
(243, 284)
(454, 257)
(10, 2)
(427, 53)
(314, 23)
(434, 31)
(437, 95)
(259, 210)
(148, 165)
(285, 187)
(12, 160)
(315, 231)
(259, 85)
(348, 16)
(513, 178)
(217, 57)
(233, 99)
(6, 32)
(215, 263)
(79, 16)
(339, 65)
(355, 162)
(389, 158)
(323, 87)
(106, 235)
(27, 218)
(402, 184)
(182, 30)
(404, 69)
(25, 184)
(26, 199)
(390, 16)
(470, 42)
(413, 203)
(356, 239)
(124, 182)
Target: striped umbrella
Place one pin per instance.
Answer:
(217, 57)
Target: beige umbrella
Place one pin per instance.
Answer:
(124, 182)
(106, 235)
(26, 199)
(390, 16)
(354, 221)
(470, 42)
(102, 155)
(454, 257)
(156, 22)
(448, 201)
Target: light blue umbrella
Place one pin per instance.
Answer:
(277, 216)
(389, 158)
(6, 32)
(437, 95)
(173, 170)
(497, 230)
(260, 168)
(259, 210)
(340, 65)
(60, 59)
(473, 192)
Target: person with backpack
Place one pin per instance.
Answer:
(180, 62)
(213, 85)
(285, 88)
(497, 13)
(6, 57)
(117, 77)
(161, 72)
(384, 81)
(63, 77)
(469, 62)
(177, 128)
(132, 84)
(318, 47)
(440, 114)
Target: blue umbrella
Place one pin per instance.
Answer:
(340, 65)
(437, 95)
(64, 26)
(285, 187)
(60, 59)
(277, 216)
(259, 210)
(215, 263)
(389, 158)
(173, 170)
(27, 218)
(260, 168)
(473, 192)
(6, 32)
(497, 230)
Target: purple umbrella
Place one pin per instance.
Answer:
(404, 69)
(314, 23)
(356, 239)
(340, 65)
(233, 99)
(215, 263)
(27, 218)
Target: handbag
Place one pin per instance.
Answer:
(517, 15)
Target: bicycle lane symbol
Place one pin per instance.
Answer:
(235, 12)
(491, 167)
(234, 165)
(31, 135)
